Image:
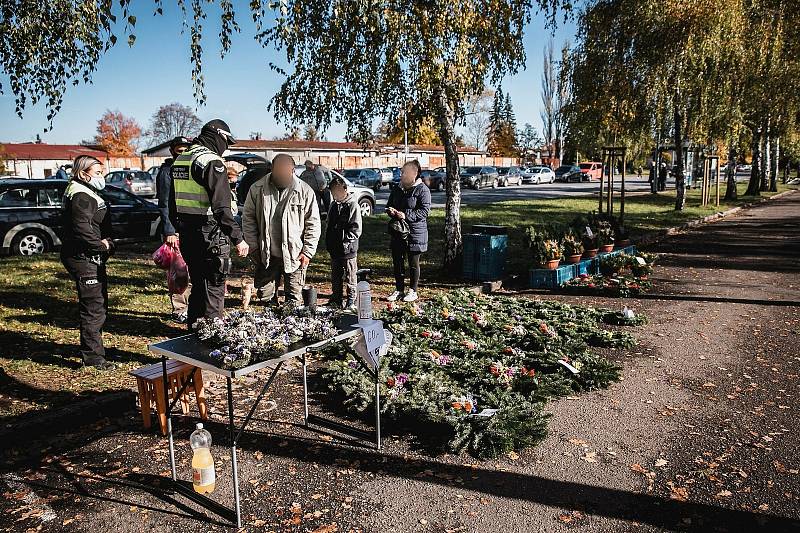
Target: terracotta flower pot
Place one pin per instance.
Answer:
(552, 265)
(606, 248)
(590, 253)
(622, 244)
(572, 259)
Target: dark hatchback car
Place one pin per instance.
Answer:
(30, 215)
(477, 177)
(433, 179)
(365, 177)
(568, 173)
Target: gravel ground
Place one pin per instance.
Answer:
(701, 433)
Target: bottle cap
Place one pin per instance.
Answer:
(199, 426)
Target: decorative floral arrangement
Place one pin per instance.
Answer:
(243, 337)
(552, 250)
(481, 385)
(638, 265)
(572, 245)
(618, 285)
(604, 232)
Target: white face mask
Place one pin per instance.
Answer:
(98, 182)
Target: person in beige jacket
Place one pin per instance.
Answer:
(281, 222)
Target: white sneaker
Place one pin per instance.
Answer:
(393, 297)
(411, 296)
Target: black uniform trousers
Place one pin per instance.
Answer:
(92, 282)
(206, 251)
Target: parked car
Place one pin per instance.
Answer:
(537, 175)
(567, 173)
(367, 177)
(153, 171)
(509, 175)
(364, 195)
(386, 175)
(137, 182)
(477, 177)
(591, 170)
(396, 171)
(744, 169)
(30, 215)
(256, 167)
(433, 179)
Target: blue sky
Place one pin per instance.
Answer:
(156, 71)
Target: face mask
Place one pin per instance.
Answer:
(98, 182)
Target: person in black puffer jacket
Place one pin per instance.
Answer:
(409, 203)
(341, 239)
(86, 245)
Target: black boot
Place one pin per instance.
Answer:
(98, 361)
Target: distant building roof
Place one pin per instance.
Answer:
(296, 145)
(44, 151)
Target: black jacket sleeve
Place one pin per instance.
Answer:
(219, 190)
(83, 209)
(164, 192)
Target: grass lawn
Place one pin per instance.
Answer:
(38, 309)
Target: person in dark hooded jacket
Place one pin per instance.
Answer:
(342, 232)
(169, 234)
(202, 211)
(409, 202)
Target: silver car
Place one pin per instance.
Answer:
(538, 174)
(364, 195)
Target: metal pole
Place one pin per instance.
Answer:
(234, 463)
(377, 408)
(610, 201)
(305, 390)
(169, 417)
(717, 183)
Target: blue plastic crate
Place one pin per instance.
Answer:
(543, 278)
(485, 256)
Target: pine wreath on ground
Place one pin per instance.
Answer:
(472, 372)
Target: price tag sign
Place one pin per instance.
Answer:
(589, 232)
(373, 343)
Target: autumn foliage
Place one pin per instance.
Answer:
(117, 134)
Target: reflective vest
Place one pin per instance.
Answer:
(191, 198)
(75, 187)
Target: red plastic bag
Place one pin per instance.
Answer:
(178, 275)
(163, 256)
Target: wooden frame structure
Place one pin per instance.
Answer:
(710, 169)
(611, 155)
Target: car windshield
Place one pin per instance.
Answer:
(352, 173)
(565, 168)
(537, 170)
(585, 166)
(472, 170)
(502, 170)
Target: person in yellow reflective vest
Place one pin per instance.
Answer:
(200, 206)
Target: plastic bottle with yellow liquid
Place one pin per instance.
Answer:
(203, 473)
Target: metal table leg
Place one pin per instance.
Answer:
(169, 417)
(305, 390)
(234, 463)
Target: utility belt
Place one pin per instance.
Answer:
(215, 245)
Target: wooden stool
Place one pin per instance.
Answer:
(150, 381)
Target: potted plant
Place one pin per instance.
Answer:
(605, 236)
(621, 235)
(551, 253)
(573, 248)
(590, 247)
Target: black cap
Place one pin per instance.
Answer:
(180, 140)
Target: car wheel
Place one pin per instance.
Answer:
(494, 184)
(440, 186)
(366, 207)
(29, 242)
(476, 184)
(552, 179)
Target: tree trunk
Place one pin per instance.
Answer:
(453, 245)
(730, 173)
(766, 154)
(680, 179)
(654, 166)
(753, 185)
(776, 156)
